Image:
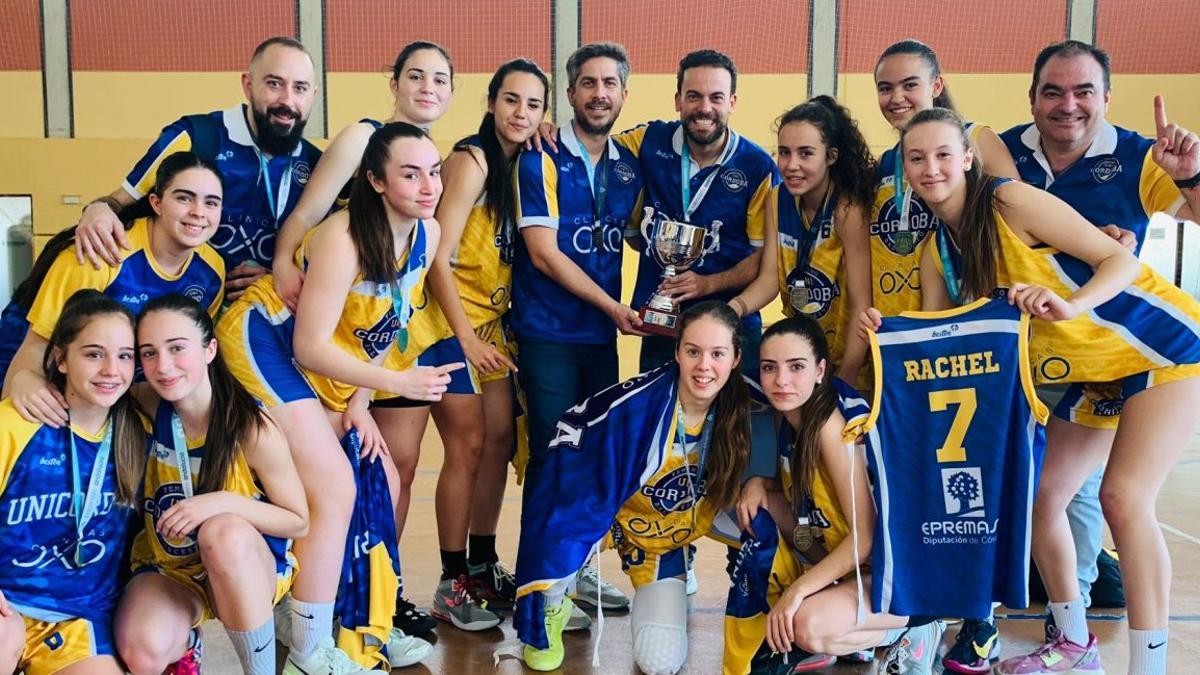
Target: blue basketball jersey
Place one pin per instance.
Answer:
(955, 444)
(47, 571)
(260, 190)
(1115, 182)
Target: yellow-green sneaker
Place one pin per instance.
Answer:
(551, 657)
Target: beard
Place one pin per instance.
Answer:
(595, 129)
(278, 139)
(717, 133)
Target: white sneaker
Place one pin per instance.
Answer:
(587, 581)
(693, 584)
(578, 620)
(406, 650)
(326, 659)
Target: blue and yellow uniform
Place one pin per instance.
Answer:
(482, 265)
(1116, 182)
(896, 242)
(1147, 335)
(732, 191)
(179, 559)
(256, 332)
(824, 274)
(134, 282)
(955, 444)
(766, 565)
(67, 607)
(554, 190)
(260, 190)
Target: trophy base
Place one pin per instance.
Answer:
(658, 322)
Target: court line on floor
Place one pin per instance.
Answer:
(1179, 533)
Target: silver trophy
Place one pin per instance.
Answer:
(675, 246)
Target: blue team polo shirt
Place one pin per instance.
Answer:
(248, 221)
(554, 191)
(1115, 182)
(736, 197)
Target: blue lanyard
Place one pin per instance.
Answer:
(900, 192)
(402, 287)
(701, 445)
(949, 269)
(183, 462)
(86, 505)
(809, 233)
(284, 183)
(689, 203)
(599, 192)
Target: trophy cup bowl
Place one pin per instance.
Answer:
(675, 246)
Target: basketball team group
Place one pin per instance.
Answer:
(216, 384)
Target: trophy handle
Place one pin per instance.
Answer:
(712, 239)
(645, 227)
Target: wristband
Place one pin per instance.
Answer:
(1188, 183)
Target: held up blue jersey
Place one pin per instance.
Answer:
(955, 444)
(554, 190)
(1115, 182)
(255, 205)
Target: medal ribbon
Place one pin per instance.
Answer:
(402, 288)
(86, 504)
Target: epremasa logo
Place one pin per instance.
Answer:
(963, 492)
(966, 521)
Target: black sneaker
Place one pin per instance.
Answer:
(497, 584)
(412, 620)
(976, 648)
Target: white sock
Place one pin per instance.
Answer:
(255, 648)
(1071, 620)
(1148, 652)
(311, 623)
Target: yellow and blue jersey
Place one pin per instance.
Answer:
(896, 242)
(39, 547)
(134, 282)
(482, 265)
(555, 189)
(257, 200)
(732, 191)
(1116, 181)
(162, 488)
(259, 329)
(955, 444)
(825, 273)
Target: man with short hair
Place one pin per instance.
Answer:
(1115, 178)
(699, 171)
(259, 148)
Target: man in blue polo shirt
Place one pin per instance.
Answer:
(699, 171)
(1113, 177)
(574, 200)
(259, 148)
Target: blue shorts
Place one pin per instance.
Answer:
(259, 353)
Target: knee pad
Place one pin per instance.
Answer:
(659, 623)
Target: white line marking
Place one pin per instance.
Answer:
(1179, 533)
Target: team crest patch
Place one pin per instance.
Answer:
(194, 292)
(379, 337)
(164, 498)
(903, 238)
(821, 290)
(734, 180)
(1106, 169)
(301, 172)
(624, 172)
(962, 490)
(675, 491)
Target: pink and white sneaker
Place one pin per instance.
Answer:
(1059, 655)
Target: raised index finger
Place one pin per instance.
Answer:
(1160, 115)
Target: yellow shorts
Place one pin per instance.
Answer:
(195, 579)
(1097, 405)
(51, 646)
